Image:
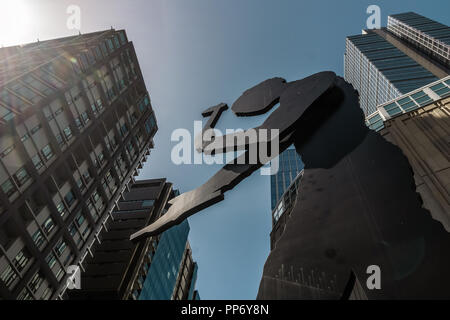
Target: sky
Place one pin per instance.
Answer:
(195, 54)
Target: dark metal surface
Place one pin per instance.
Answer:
(305, 92)
(357, 207)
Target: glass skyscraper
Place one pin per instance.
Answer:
(172, 274)
(384, 64)
(381, 72)
(290, 166)
(429, 36)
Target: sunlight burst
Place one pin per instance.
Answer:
(15, 21)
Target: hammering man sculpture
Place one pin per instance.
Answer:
(357, 207)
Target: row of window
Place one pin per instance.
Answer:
(90, 56)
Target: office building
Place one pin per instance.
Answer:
(431, 37)
(283, 208)
(418, 123)
(290, 165)
(173, 273)
(284, 189)
(157, 268)
(383, 64)
(76, 124)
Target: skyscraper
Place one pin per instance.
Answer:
(384, 64)
(158, 268)
(76, 124)
(290, 165)
(284, 188)
(431, 37)
(173, 273)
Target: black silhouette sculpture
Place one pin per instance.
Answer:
(357, 204)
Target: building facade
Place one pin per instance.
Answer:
(158, 268)
(173, 272)
(76, 125)
(290, 165)
(431, 37)
(383, 64)
(419, 124)
(283, 208)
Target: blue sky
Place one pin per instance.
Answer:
(197, 53)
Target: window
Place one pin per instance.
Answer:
(38, 238)
(25, 137)
(48, 225)
(85, 117)
(75, 65)
(36, 129)
(68, 133)
(94, 109)
(72, 230)
(25, 295)
(99, 104)
(8, 276)
(8, 116)
(150, 124)
(79, 123)
(7, 151)
(59, 111)
(59, 139)
(123, 40)
(8, 187)
(87, 176)
(47, 152)
(116, 41)
(21, 259)
(60, 247)
(47, 294)
(51, 260)
(110, 45)
(98, 53)
(101, 158)
(37, 85)
(81, 185)
(49, 78)
(95, 196)
(148, 203)
(69, 198)
(21, 176)
(25, 92)
(35, 282)
(104, 50)
(37, 162)
(79, 219)
(61, 209)
(124, 129)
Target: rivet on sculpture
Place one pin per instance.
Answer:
(357, 206)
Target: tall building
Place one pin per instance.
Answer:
(431, 37)
(383, 64)
(173, 273)
(158, 268)
(76, 124)
(283, 209)
(290, 165)
(284, 189)
(418, 123)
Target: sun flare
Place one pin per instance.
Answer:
(15, 21)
